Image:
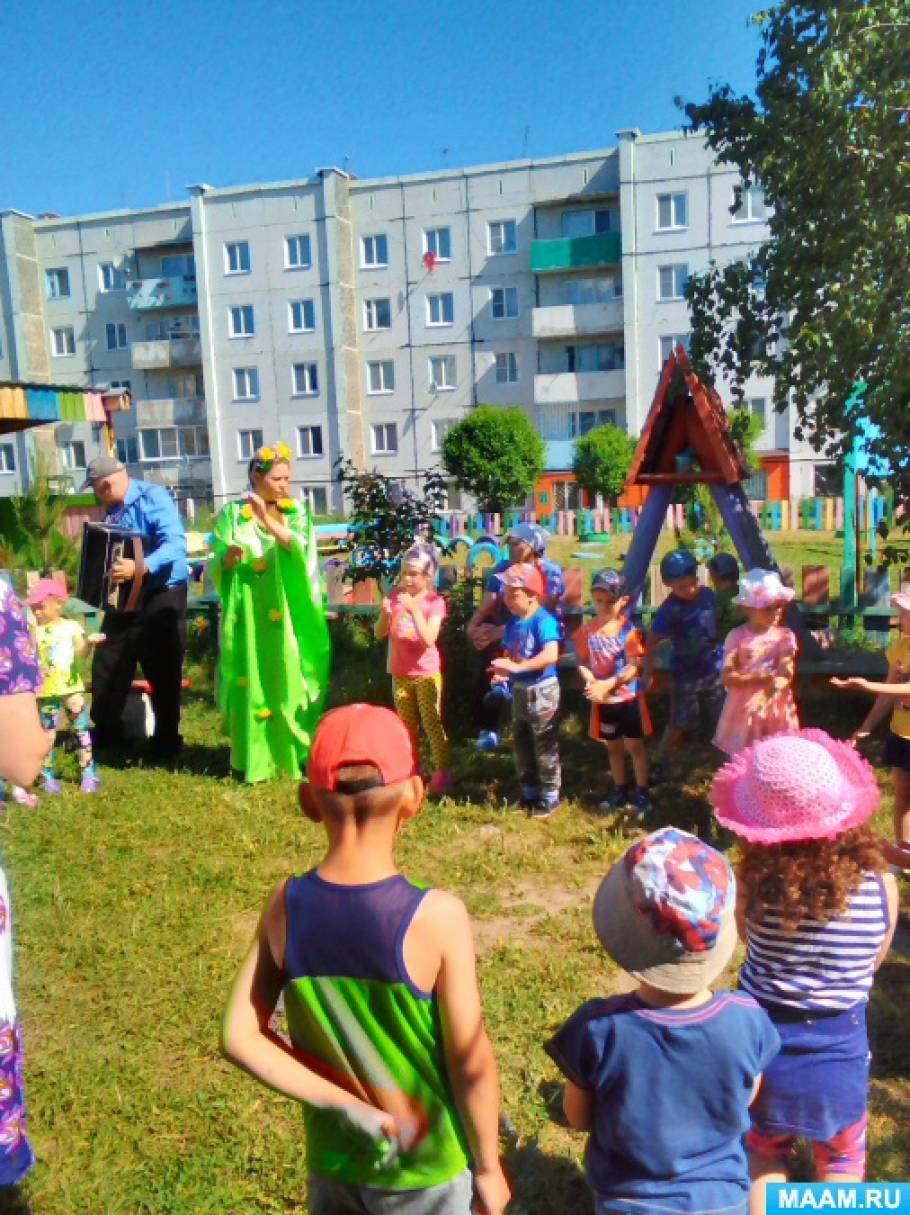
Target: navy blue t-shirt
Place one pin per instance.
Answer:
(525, 638)
(691, 625)
(671, 1092)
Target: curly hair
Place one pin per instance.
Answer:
(807, 879)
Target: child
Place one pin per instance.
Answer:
(723, 569)
(610, 649)
(61, 701)
(688, 617)
(817, 912)
(897, 746)
(531, 643)
(389, 1053)
(663, 1077)
(758, 667)
(411, 619)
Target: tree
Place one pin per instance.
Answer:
(495, 454)
(602, 460)
(822, 306)
(31, 533)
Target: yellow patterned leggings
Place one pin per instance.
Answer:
(418, 702)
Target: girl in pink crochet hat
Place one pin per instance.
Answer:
(817, 911)
(758, 669)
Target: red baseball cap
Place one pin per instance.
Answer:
(361, 734)
(528, 577)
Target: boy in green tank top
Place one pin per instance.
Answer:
(389, 1052)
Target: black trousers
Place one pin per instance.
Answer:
(155, 637)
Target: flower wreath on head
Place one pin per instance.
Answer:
(262, 461)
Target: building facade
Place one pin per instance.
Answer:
(362, 318)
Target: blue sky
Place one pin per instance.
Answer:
(110, 105)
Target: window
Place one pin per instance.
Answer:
(748, 204)
(128, 450)
(246, 383)
(73, 454)
(758, 407)
(194, 441)
(507, 368)
(442, 373)
(240, 321)
(672, 211)
(297, 253)
(316, 498)
(598, 356)
(438, 431)
(237, 257)
(504, 302)
(115, 336)
(374, 250)
(589, 419)
(501, 236)
(110, 277)
(756, 486)
(127, 384)
(671, 281)
(301, 316)
(438, 241)
(63, 341)
(159, 444)
(384, 436)
(669, 342)
(585, 223)
(305, 378)
(599, 290)
(309, 441)
(377, 314)
(381, 377)
(7, 458)
(441, 309)
(58, 284)
(177, 265)
(248, 443)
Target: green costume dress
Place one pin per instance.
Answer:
(273, 666)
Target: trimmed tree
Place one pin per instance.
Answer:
(495, 454)
(602, 460)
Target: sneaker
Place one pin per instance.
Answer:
(440, 783)
(52, 785)
(640, 802)
(22, 797)
(90, 783)
(487, 741)
(544, 807)
(616, 800)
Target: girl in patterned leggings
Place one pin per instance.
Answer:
(411, 618)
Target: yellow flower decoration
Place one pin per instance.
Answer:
(246, 511)
(266, 453)
(243, 682)
(284, 452)
(263, 714)
(260, 565)
(276, 615)
(286, 505)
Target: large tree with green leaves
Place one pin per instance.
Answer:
(825, 303)
(495, 454)
(602, 460)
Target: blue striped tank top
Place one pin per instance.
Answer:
(821, 966)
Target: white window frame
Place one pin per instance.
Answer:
(53, 275)
(371, 311)
(305, 242)
(497, 232)
(446, 363)
(115, 330)
(437, 302)
(593, 212)
(509, 364)
(437, 435)
(380, 366)
(69, 450)
(197, 432)
(673, 339)
(507, 294)
(238, 315)
(113, 281)
(677, 202)
(763, 413)
(679, 287)
(386, 430)
(306, 306)
(68, 343)
(371, 245)
(309, 430)
(158, 431)
(308, 493)
(251, 377)
(746, 205)
(7, 458)
(233, 254)
(431, 237)
(251, 439)
(309, 377)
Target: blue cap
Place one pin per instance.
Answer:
(678, 564)
(724, 565)
(611, 581)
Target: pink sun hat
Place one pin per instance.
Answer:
(762, 588)
(802, 786)
(46, 588)
(901, 600)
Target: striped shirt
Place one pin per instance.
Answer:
(820, 966)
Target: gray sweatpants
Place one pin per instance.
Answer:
(535, 729)
(329, 1197)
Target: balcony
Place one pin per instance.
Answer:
(162, 353)
(571, 387)
(577, 320)
(575, 253)
(146, 294)
(171, 411)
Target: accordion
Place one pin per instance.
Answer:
(102, 546)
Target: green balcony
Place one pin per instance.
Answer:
(575, 253)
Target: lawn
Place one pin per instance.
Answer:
(132, 909)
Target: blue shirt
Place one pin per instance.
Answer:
(152, 512)
(671, 1091)
(525, 638)
(553, 577)
(691, 625)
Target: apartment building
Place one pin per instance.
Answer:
(364, 317)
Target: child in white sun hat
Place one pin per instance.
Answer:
(759, 666)
(817, 911)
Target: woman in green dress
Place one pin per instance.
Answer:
(274, 658)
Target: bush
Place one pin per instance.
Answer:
(602, 461)
(495, 454)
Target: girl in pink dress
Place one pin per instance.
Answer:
(758, 668)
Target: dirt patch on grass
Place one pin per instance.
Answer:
(534, 902)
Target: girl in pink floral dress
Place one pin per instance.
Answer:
(759, 666)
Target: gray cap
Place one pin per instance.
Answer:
(100, 467)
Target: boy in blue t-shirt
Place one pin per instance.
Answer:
(531, 642)
(663, 1077)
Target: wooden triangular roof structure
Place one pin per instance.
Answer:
(686, 437)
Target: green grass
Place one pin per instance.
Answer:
(132, 910)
